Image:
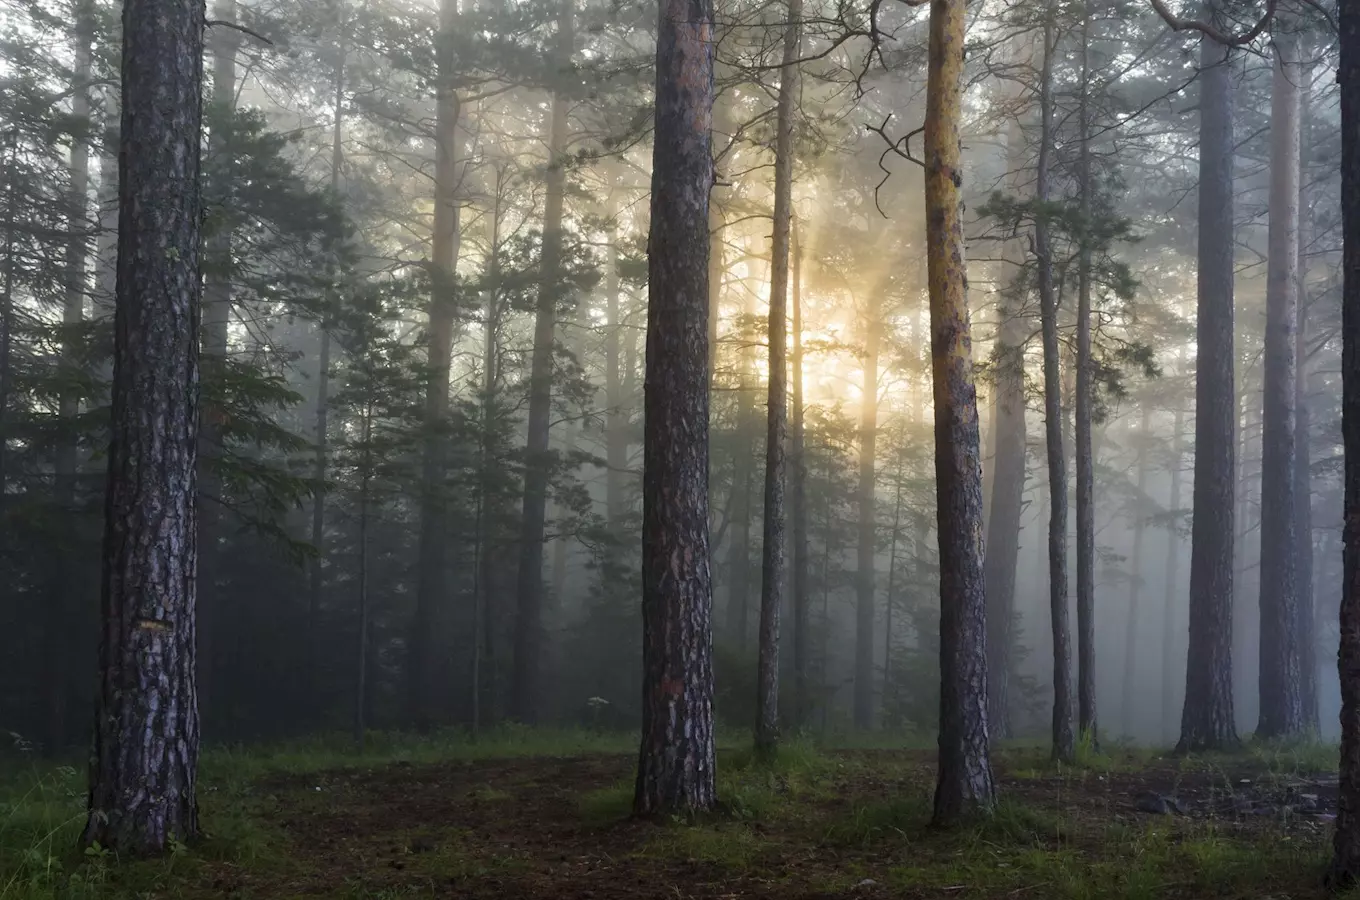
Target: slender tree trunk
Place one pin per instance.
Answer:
(888, 598)
(964, 785)
(1086, 524)
(144, 766)
(1281, 696)
(56, 681)
(1064, 742)
(323, 375)
(801, 551)
(1131, 683)
(1303, 480)
(1173, 566)
(616, 422)
(717, 266)
(431, 585)
(361, 659)
(743, 474)
(1345, 868)
(1207, 718)
(7, 328)
(676, 759)
(774, 562)
(538, 456)
(865, 582)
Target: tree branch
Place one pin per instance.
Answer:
(241, 28)
(1178, 24)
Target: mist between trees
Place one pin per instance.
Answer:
(422, 238)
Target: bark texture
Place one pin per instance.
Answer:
(1280, 685)
(144, 767)
(964, 785)
(1207, 717)
(676, 757)
(1345, 867)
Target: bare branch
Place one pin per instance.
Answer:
(241, 28)
(1178, 24)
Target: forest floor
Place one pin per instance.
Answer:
(548, 819)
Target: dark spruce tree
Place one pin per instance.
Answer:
(144, 768)
(676, 758)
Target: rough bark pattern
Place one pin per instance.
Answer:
(1131, 682)
(538, 457)
(1207, 717)
(676, 758)
(1345, 867)
(431, 581)
(774, 565)
(1064, 740)
(798, 466)
(965, 782)
(866, 576)
(144, 767)
(1086, 525)
(1281, 696)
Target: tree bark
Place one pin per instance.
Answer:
(1281, 695)
(1086, 535)
(865, 581)
(676, 759)
(538, 456)
(1345, 867)
(964, 785)
(145, 761)
(1064, 741)
(431, 585)
(1207, 717)
(775, 563)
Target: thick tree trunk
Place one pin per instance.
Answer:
(1303, 479)
(801, 598)
(1345, 868)
(431, 584)
(1064, 742)
(1281, 696)
(1136, 575)
(964, 785)
(774, 563)
(865, 581)
(144, 766)
(1086, 524)
(538, 457)
(1207, 717)
(676, 759)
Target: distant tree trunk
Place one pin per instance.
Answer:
(361, 659)
(1086, 519)
(717, 267)
(739, 544)
(323, 374)
(865, 582)
(145, 762)
(1281, 696)
(431, 584)
(1303, 479)
(616, 422)
(1064, 742)
(1136, 574)
(801, 552)
(56, 678)
(964, 785)
(774, 563)
(538, 457)
(1345, 867)
(888, 596)
(1173, 566)
(676, 759)
(7, 326)
(1207, 718)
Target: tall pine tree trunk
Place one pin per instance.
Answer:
(865, 580)
(432, 577)
(538, 456)
(1303, 480)
(1136, 573)
(1064, 743)
(1281, 697)
(1345, 868)
(964, 785)
(616, 423)
(1170, 632)
(676, 758)
(798, 467)
(1207, 717)
(1086, 525)
(144, 766)
(775, 561)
